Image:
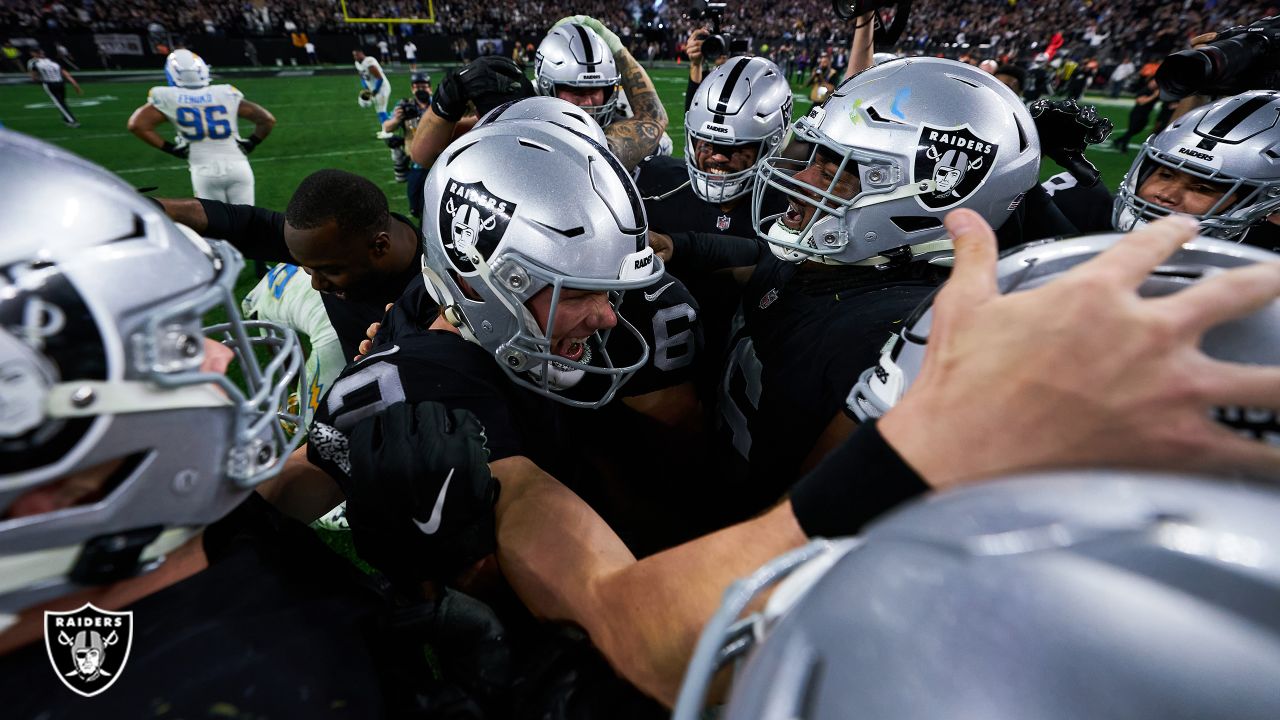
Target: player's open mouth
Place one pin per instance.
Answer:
(574, 349)
(794, 216)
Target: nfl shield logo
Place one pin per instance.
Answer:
(722, 222)
(88, 647)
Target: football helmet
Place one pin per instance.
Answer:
(747, 100)
(1099, 594)
(102, 307)
(514, 207)
(186, 69)
(1234, 143)
(551, 109)
(1253, 339)
(921, 136)
(576, 56)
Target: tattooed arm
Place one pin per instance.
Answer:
(635, 138)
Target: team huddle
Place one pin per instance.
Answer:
(589, 386)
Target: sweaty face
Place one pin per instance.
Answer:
(1180, 192)
(720, 159)
(579, 314)
(820, 174)
(582, 97)
(338, 264)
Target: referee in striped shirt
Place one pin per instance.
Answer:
(54, 78)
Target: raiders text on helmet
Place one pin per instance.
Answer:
(102, 307)
(1097, 594)
(1232, 144)
(922, 136)
(576, 56)
(515, 207)
(747, 100)
(1254, 339)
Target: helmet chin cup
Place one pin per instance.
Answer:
(782, 241)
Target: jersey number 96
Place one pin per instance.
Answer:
(213, 125)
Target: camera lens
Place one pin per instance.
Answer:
(846, 9)
(714, 46)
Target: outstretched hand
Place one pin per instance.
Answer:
(1082, 371)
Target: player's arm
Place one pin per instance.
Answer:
(433, 135)
(862, 49)
(67, 76)
(263, 121)
(376, 72)
(258, 233)
(31, 68)
(302, 491)
(635, 138)
(143, 123)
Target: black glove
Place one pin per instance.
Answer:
(420, 497)
(178, 151)
(248, 144)
(487, 82)
(1065, 130)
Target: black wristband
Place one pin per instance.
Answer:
(170, 148)
(859, 481)
(253, 141)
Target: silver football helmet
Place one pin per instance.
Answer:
(515, 207)
(103, 302)
(1253, 339)
(747, 100)
(551, 109)
(575, 55)
(921, 137)
(185, 69)
(1090, 594)
(1233, 143)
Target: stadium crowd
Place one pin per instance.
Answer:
(1104, 29)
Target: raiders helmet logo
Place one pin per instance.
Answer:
(88, 647)
(472, 220)
(958, 162)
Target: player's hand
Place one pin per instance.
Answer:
(365, 98)
(370, 333)
(249, 144)
(693, 46)
(486, 82)
(1082, 371)
(662, 245)
(1066, 129)
(79, 90)
(181, 149)
(420, 498)
(610, 38)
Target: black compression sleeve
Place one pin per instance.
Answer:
(695, 253)
(256, 232)
(689, 91)
(859, 481)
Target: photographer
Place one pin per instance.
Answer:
(693, 48)
(405, 118)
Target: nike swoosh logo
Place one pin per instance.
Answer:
(437, 513)
(658, 292)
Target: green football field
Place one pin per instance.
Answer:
(319, 126)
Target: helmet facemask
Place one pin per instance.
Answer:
(721, 188)
(1242, 204)
(855, 178)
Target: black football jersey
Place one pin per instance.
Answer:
(809, 333)
(1088, 208)
(671, 205)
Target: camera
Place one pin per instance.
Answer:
(717, 43)
(884, 35)
(408, 109)
(1241, 58)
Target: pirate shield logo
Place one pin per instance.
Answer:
(88, 647)
(956, 160)
(472, 220)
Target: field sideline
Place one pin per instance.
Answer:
(319, 126)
